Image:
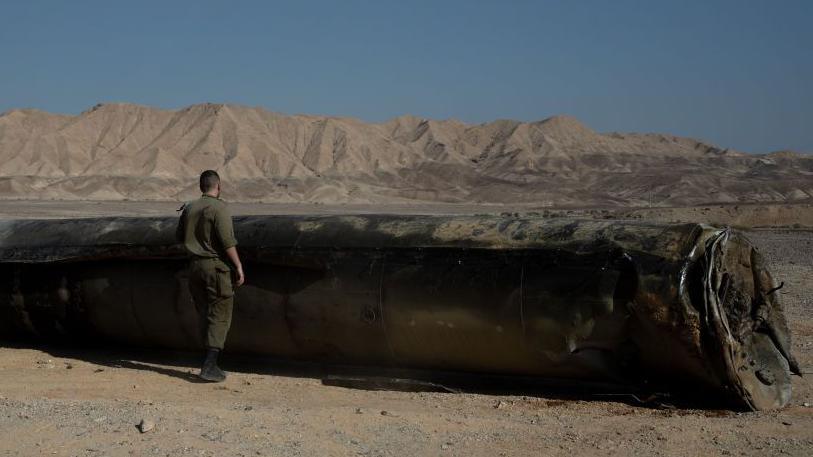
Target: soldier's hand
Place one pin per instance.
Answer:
(241, 278)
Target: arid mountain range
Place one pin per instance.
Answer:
(125, 151)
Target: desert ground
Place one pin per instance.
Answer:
(90, 401)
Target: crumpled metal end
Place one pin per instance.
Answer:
(746, 321)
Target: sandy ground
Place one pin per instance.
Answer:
(58, 401)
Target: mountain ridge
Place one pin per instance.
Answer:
(117, 151)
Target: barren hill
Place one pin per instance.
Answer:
(124, 151)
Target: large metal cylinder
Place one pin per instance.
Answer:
(683, 306)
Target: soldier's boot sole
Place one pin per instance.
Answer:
(212, 374)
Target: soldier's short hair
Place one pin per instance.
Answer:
(208, 180)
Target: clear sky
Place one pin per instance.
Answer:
(736, 73)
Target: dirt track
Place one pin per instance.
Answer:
(88, 402)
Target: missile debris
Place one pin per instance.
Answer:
(687, 307)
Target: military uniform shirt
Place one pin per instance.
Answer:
(205, 228)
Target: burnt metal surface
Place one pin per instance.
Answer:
(687, 307)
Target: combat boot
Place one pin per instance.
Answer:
(210, 371)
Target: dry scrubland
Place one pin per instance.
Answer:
(63, 401)
(745, 216)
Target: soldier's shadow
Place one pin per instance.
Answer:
(180, 365)
(186, 375)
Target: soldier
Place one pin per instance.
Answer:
(205, 229)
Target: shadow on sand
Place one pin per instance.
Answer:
(184, 365)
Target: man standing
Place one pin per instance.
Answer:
(205, 229)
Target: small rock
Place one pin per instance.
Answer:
(500, 404)
(359, 411)
(68, 366)
(385, 413)
(98, 370)
(787, 423)
(806, 404)
(248, 408)
(446, 446)
(145, 425)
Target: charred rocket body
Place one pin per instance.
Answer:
(685, 307)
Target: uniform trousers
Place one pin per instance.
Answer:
(210, 284)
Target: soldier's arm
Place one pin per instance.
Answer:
(225, 231)
(235, 260)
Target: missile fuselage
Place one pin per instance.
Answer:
(686, 306)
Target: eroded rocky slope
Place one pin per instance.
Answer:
(124, 151)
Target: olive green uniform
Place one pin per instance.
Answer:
(205, 229)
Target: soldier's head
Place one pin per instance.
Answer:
(210, 183)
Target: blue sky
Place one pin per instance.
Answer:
(736, 73)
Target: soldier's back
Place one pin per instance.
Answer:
(206, 227)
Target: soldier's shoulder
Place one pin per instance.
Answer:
(214, 206)
(195, 206)
(217, 203)
(189, 204)
(222, 207)
(198, 202)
